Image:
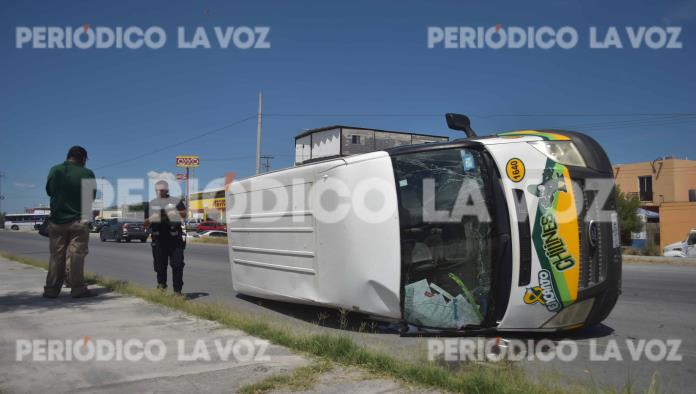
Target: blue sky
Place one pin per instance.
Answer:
(357, 58)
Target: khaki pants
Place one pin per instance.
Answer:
(67, 241)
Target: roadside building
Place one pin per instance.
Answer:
(666, 186)
(207, 205)
(39, 210)
(336, 141)
(111, 213)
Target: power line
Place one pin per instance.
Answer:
(587, 115)
(638, 126)
(655, 119)
(647, 119)
(620, 122)
(614, 125)
(492, 115)
(638, 123)
(209, 132)
(232, 158)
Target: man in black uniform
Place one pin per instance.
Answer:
(164, 216)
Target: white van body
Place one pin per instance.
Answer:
(294, 257)
(282, 247)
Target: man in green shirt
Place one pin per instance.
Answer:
(72, 189)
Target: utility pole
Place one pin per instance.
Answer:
(187, 190)
(101, 207)
(2, 174)
(267, 164)
(258, 136)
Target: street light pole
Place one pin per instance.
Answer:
(258, 136)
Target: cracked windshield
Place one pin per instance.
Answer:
(446, 237)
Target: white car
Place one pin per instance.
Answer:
(210, 234)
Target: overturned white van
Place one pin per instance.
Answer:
(516, 231)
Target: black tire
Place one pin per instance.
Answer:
(15, 227)
(143, 240)
(127, 239)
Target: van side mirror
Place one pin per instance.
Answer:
(460, 122)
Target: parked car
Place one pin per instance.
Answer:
(210, 225)
(192, 224)
(685, 248)
(97, 224)
(123, 230)
(211, 234)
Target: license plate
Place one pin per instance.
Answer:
(616, 238)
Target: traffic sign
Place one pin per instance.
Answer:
(187, 161)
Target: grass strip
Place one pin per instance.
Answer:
(468, 378)
(302, 378)
(208, 240)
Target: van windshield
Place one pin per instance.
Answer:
(447, 236)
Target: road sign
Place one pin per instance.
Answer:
(187, 161)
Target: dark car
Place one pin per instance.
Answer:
(211, 225)
(96, 225)
(123, 230)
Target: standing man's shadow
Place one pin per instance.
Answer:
(194, 295)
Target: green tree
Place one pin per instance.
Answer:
(629, 222)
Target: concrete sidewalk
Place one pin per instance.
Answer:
(196, 355)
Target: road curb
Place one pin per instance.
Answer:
(631, 259)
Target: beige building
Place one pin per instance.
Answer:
(666, 186)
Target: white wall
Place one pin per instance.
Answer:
(303, 149)
(326, 143)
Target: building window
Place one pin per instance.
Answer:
(645, 187)
(355, 139)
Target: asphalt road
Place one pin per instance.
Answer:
(658, 302)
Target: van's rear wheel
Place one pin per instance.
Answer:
(15, 228)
